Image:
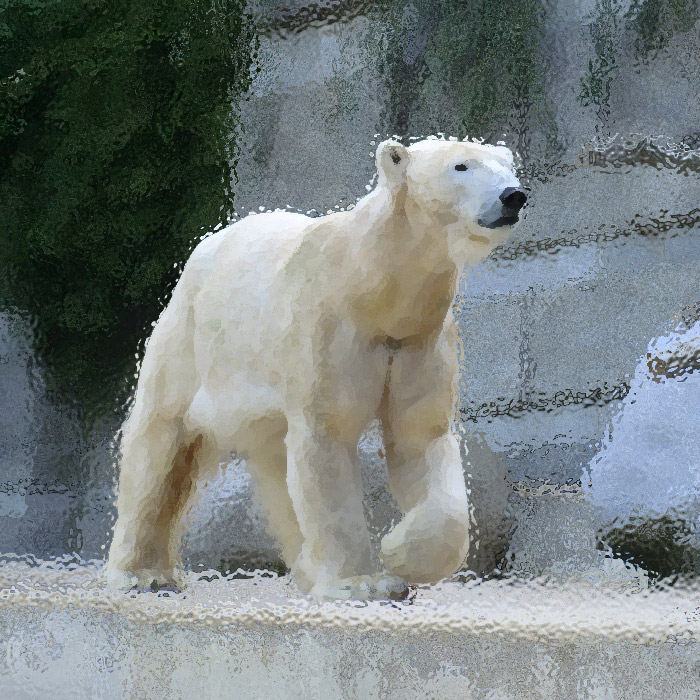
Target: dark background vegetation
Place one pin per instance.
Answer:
(115, 154)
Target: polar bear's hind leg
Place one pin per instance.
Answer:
(159, 455)
(158, 473)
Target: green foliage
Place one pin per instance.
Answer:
(650, 24)
(656, 21)
(468, 67)
(115, 143)
(489, 54)
(606, 31)
(662, 546)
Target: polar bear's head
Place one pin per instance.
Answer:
(469, 189)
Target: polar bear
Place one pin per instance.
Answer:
(285, 336)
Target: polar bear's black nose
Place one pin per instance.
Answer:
(513, 198)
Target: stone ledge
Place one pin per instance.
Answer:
(65, 635)
(579, 612)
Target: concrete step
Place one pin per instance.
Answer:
(63, 634)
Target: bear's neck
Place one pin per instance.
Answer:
(389, 221)
(407, 285)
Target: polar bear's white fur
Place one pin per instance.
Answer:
(284, 337)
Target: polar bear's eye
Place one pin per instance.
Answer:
(460, 166)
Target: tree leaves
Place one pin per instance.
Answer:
(115, 148)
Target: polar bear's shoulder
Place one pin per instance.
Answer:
(269, 234)
(280, 223)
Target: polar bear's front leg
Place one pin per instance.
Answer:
(330, 403)
(425, 467)
(325, 485)
(267, 463)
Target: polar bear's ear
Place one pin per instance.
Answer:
(392, 159)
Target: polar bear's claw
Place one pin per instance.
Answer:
(147, 581)
(164, 591)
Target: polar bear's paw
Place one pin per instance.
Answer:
(145, 581)
(427, 545)
(164, 589)
(376, 587)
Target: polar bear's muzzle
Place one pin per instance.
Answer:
(506, 211)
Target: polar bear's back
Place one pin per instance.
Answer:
(233, 285)
(240, 266)
(269, 237)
